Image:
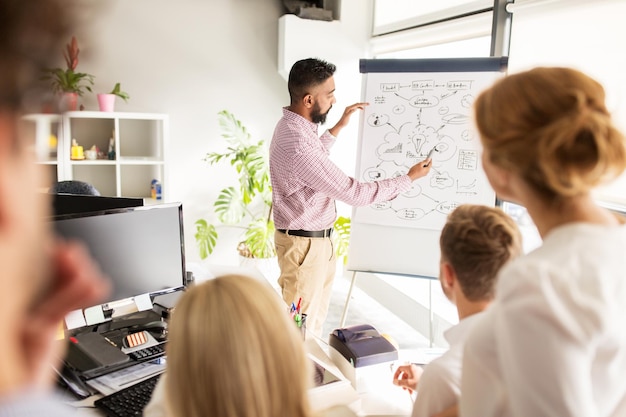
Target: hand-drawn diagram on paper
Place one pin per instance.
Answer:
(410, 116)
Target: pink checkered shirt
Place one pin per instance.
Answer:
(306, 183)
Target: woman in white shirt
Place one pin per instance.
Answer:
(554, 342)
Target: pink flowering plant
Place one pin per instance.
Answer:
(68, 80)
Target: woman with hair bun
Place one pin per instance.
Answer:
(553, 343)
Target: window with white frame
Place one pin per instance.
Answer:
(579, 33)
(395, 15)
(469, 36)
(587, 35)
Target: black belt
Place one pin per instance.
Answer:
(307, 233)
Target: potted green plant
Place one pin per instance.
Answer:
(247, 205)
(106, 101)
(68, 81)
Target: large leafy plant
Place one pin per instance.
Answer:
(68, 80)
(248, 204)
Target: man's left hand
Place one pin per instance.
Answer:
(345, 118)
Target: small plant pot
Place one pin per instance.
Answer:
(106, 102)
(69, 101)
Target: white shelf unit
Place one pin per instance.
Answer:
(140, 139)
(39, 127)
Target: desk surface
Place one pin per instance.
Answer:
(378, 396)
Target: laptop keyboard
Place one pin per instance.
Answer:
(130, 401)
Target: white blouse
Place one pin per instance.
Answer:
(553, 343)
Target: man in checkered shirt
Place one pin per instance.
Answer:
(306, 183)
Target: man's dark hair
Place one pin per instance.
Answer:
(32, 37)
(307, 73)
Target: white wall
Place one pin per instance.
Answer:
(343, 43)
(191, 59)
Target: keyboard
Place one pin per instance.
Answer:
(148, 353)
(130, 401)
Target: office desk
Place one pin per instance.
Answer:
(380, 398)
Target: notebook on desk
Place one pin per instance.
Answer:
(93, 352)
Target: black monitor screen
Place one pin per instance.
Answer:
(79, 203)
(140, 248)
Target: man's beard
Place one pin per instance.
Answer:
(317, 116)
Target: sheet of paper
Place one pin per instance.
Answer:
(94, 315)
(143, 302)
(75, 319)
(115, 381)
(421, 356)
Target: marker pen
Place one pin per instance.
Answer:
(430, 154)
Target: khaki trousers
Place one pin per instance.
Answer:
(307, 270)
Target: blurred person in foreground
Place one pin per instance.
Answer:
(42, 279)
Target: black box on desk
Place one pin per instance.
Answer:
(361, 353)
(92, 355)
(362, 345)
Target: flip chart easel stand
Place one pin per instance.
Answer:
(431, 336)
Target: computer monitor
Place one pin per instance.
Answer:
(80, 203)
(140, 248)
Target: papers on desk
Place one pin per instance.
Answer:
(115, 381)
(94, 315)
(75, 319)
(337, 392)
(421, 356)
(143, 302)
(374, 386)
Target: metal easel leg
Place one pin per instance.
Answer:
(431, 316)
(345, 308)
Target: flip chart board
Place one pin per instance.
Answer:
(418, 107)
